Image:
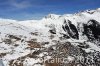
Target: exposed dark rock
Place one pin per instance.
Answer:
(53, 31)
(7, 41)
(14, 37)
(71, 29)
(92, 29)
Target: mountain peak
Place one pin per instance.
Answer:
(98, 9)
(52, 16)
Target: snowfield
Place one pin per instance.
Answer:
(70, 36)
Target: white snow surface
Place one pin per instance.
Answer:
(24, 28)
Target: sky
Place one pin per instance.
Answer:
(37, 9)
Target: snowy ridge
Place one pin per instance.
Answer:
(22, 42)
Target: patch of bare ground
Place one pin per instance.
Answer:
(59, 50)
(34, 33)
(51, 36)
(11, 39)
(52, 62)
(20, 61)
(14, 37)
(57, 62)
(15, 63)
(33, 45)
(2, 54)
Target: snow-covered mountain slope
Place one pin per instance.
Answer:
(73, 25)
(75, 37)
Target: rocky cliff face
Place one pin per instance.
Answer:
(90, 29)
(72, 38)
